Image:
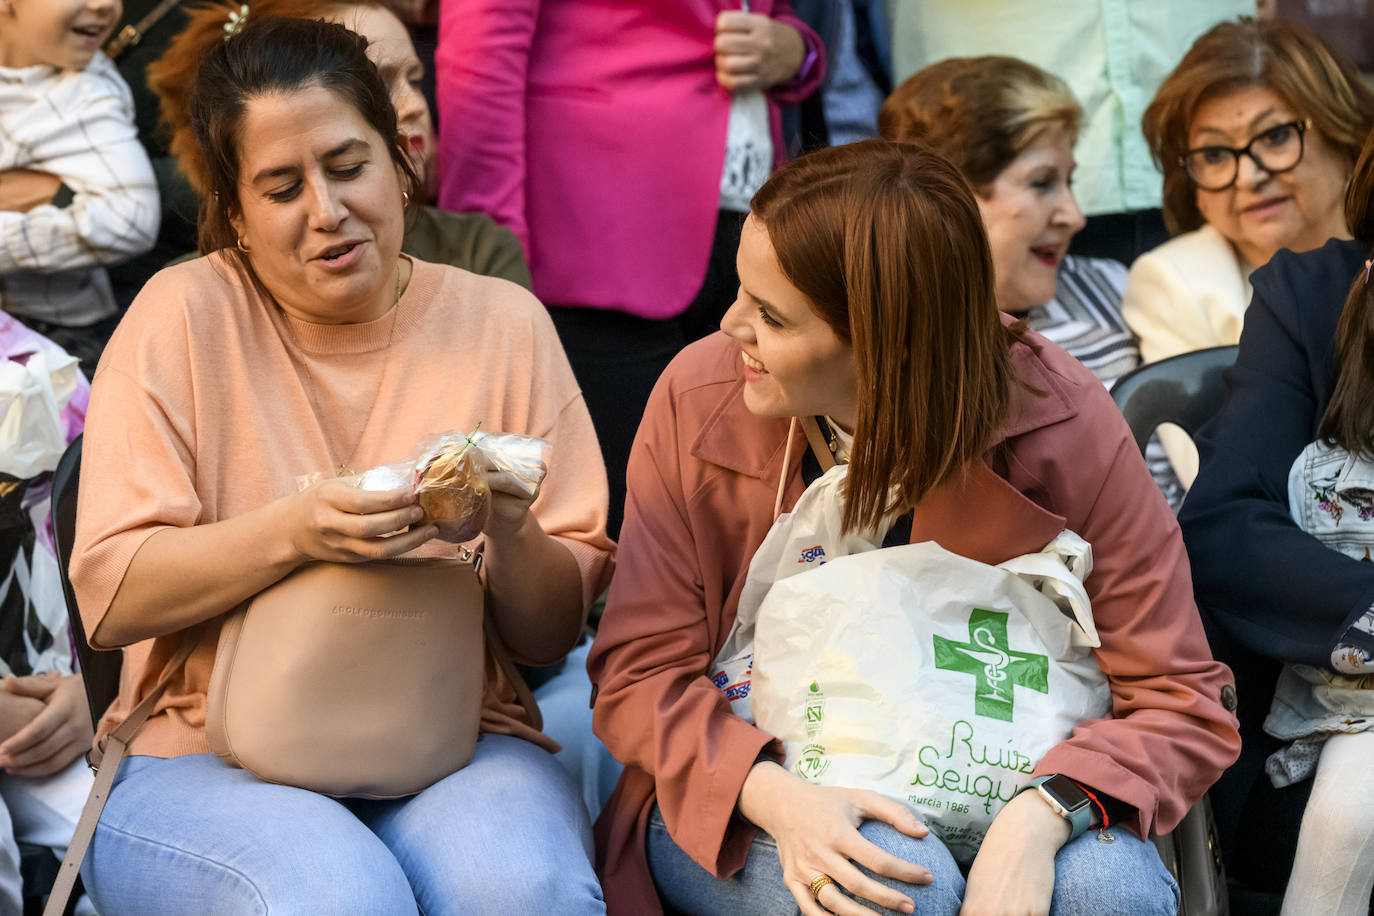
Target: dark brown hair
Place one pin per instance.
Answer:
(979, 112)
(1349, 419)
(173, 75)
(1278, 54)
(886, 241)
(269, 57)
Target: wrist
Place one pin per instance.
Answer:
(505, 533)
(1065, 799)
(793, 54)
(288, 550)
(1034, 818)
(755, 796)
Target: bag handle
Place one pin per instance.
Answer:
(106, 757)
(523, 695)
(517, 680)
(819, 447)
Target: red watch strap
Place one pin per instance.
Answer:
(1101, 810)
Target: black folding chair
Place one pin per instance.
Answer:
(1185, 390)
(100, 670)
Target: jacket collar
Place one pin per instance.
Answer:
(976, 514)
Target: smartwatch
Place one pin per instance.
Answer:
(1066, 798)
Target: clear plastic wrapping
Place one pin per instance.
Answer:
(453, 474)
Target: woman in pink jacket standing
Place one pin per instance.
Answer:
(866, 299)
(621, 142)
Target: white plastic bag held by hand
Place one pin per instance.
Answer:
(33, 394)
(932, 678)
(808, 536)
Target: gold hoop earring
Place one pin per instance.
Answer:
(405, 199)
(243, 247)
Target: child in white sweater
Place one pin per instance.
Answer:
(77, 192)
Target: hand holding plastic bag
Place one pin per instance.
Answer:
(454, 474)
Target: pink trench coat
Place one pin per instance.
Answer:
(703, 477)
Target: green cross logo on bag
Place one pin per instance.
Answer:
(997, 670)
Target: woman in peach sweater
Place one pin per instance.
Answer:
(305, 341)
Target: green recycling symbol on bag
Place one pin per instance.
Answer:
(997, 670)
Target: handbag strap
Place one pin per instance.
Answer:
(825, 455)
(522, 690)
(106, 757)
(523, 695)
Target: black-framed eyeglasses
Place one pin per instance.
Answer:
(1278, 149)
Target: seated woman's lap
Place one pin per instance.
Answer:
(191, 834)
(759, 889)
(1124, 876)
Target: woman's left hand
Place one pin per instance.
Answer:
(510, 506)
(756, 52)
(1013, 873)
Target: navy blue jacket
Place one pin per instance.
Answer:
(1259, 579)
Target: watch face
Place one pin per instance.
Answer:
(1066, 791)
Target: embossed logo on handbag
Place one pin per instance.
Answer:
(343, 610)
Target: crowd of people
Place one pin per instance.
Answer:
(716, 256)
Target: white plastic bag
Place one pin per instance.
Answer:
(932, 678)
(807, 537)
(33, 394)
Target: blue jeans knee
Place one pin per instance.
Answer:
(1125, 875)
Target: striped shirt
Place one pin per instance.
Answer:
(79, 126)
(1084, 318)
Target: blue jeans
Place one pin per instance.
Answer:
(1090, 877)
(568, 720)
(505, 835)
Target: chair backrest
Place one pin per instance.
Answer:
(99, 669)
(1185, 390)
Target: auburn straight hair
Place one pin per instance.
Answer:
(886, 242)
(1349, 418)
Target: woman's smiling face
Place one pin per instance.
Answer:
(795, 365)
(55, 33)
(1030, 214)
(319, 206)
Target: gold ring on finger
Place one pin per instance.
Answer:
(818, 883)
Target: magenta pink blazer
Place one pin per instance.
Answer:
(595, 130)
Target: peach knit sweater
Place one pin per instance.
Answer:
(203, 408)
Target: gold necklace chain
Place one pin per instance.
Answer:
(344, 468)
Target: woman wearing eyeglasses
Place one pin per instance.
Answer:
(1256, 130)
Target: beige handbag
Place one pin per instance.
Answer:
(353, 679)
(347, 679)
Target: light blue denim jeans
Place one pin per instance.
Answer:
(563, 700)
(505, 835)
(1090, 877)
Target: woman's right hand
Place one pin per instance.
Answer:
(336, 521)
(816, 829)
